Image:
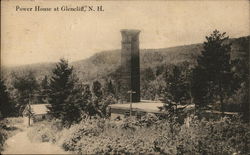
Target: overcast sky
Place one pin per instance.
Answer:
(34, 37)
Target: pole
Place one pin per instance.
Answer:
(130, 104)
(130, 94)
(29, 110)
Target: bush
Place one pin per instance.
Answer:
(86, 128)
(3, 135)
(152, 136)
(214, 137)
(45, 131)
(7, 129)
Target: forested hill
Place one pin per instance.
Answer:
(104, 63)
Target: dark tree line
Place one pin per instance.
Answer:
(69, 100)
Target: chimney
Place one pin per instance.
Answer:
(130, 65)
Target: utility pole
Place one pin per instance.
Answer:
(29, 111)
(130, 92)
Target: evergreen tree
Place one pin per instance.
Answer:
(44, 90)
(74, 106)
(212, 76)
(6, 108)
(64, 95)
(87, 96)
(178, 84)
(241, 81)
(97, 98)
(26, 86)
(148, 74)
(97, 89)
(109, 88)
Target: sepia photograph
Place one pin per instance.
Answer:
(125, 77)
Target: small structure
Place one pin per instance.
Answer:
(144, 107)
(35, 112)
(138, 109)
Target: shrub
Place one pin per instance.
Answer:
(3, 135)
(7, 129)
(152, 136)
(86, 128)
(45, 131)
(214, 137)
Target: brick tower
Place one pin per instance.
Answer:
(130, 65)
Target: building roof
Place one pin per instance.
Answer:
(144, 105)
(39, 108)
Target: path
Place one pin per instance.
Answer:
(20, 144)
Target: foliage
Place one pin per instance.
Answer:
(223, 136)
(150, 135)
(152, 88)
(65, 95)
(148, 74)
(44, 90)
(26, 88)
(212, 76)
(241, 81)
(8, 129)
(97, 89)
(101, 98)
(45, 131)
(3, 135)
(109, 88)
(94, 98)
(178, 83)
(6, 105)
(87, 98)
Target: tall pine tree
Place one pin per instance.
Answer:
(64, 95)
(212, 76)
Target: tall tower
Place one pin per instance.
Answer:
(130, 65)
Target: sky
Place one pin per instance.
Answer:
(34, 37)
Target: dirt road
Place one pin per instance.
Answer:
(20, 144)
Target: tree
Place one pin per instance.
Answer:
(6, 108)
(241, 82)
(178, 84)
(109, 88)
(212, 76)
(147, 84)
(64, 94)
(148, 74)
(26, 86)
(97, 98)
(44, 90)
(97, 89)
(87, 98)
(74, 106)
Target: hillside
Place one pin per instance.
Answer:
(106, 62)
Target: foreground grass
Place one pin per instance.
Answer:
(148, 135)
(8, 127)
